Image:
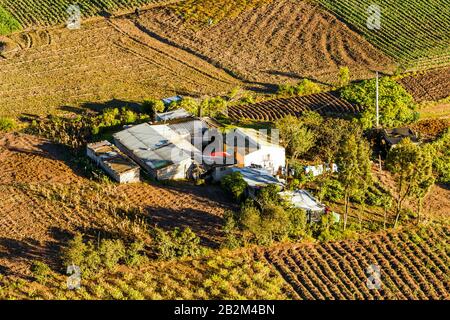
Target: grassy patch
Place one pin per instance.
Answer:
(8, 23)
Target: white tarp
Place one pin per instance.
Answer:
(303, 200)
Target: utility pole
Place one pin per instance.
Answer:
(377, 104)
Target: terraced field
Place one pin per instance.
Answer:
(271, 110)
(415, 33)
(278, 42)
(57, 70)
(34, 13)
(430, 85)
(414, 265)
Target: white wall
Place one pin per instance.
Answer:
(276, 155)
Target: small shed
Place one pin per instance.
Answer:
(172, 115)
(302, 199)
(115, 163)
(392, 137)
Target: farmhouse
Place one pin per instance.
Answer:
(254, 149)
(161, 151)
(115, 163)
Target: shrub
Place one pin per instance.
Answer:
(134, 255)
(302, 88)
(297, 222)
(344, 76)
(330, 189)
(75, 251)
(152, 106)
(41, 272)
(7, 124)
(176, 244)
(235, 185)
(110, 252)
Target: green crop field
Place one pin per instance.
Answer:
(414, 32)
(48, 12)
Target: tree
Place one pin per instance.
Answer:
(152, 106)
(344, 76)
(397, 106)
(295, 137)
(412, 169)
(354, 169)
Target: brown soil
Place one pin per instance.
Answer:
(43, 201)
(60, 70)
(432, 85)
(282, 41)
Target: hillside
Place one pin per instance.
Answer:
(414, 264)
(415, 33)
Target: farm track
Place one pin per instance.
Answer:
(271, 110)
(337, 270)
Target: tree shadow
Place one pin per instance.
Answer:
(101, 106)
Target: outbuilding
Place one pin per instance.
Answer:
(158, 149)
(115, 163)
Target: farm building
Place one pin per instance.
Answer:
(191, 128)
(172, 115)
(169, 100)
(254, 177)
(302, 199)
(392, 137)
(254, 149)
(115, 163)
(161, 151)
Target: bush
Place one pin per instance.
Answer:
(75, 251)
(110, 252)
(152, 106)
(235, 185)
(41, 272)
(7, 124)
(134, 255)
(344, 76)
(176, 244)
(304, 87)
(330, 189)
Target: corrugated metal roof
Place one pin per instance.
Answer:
(112, 157)
(302, 199)
(169, 100)
(158, 146)
(172, 115)
(257, 177)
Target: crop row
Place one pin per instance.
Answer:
(413, 265)
(323, 103)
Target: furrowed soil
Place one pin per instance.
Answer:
(278, 42)
(59, 70)
(432, 85)
(44, 200)
(413, 263)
